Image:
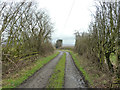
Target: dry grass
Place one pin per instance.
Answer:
(98, 77)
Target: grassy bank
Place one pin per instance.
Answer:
(57, 78)
(96, 78)
(23, 74)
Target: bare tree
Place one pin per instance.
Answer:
(25, 31)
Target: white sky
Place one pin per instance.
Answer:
(65, 23)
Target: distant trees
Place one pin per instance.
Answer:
(59, 43)
(103, 37)
(25, 30)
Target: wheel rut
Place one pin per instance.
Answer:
(73, 78)
(41, 77)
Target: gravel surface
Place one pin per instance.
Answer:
(73, 79)
(40, 78)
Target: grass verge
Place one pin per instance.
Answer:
(85, 74)
(92, 73)
(57, 78)
(28, 71)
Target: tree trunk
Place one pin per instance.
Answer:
(118, 44)
(118, 67)
(110, 66)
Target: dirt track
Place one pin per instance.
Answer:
(73, 79)
(40, 78)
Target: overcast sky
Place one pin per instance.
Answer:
(67, 16)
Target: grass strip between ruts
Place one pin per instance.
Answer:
(57, 78)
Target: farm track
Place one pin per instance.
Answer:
(73, 78)
(40, 78)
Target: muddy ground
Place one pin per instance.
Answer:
(40, 78)
(73, 78)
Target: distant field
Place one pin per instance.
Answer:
(67, 47)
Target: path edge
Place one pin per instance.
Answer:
(37, 71)
(86, 81)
